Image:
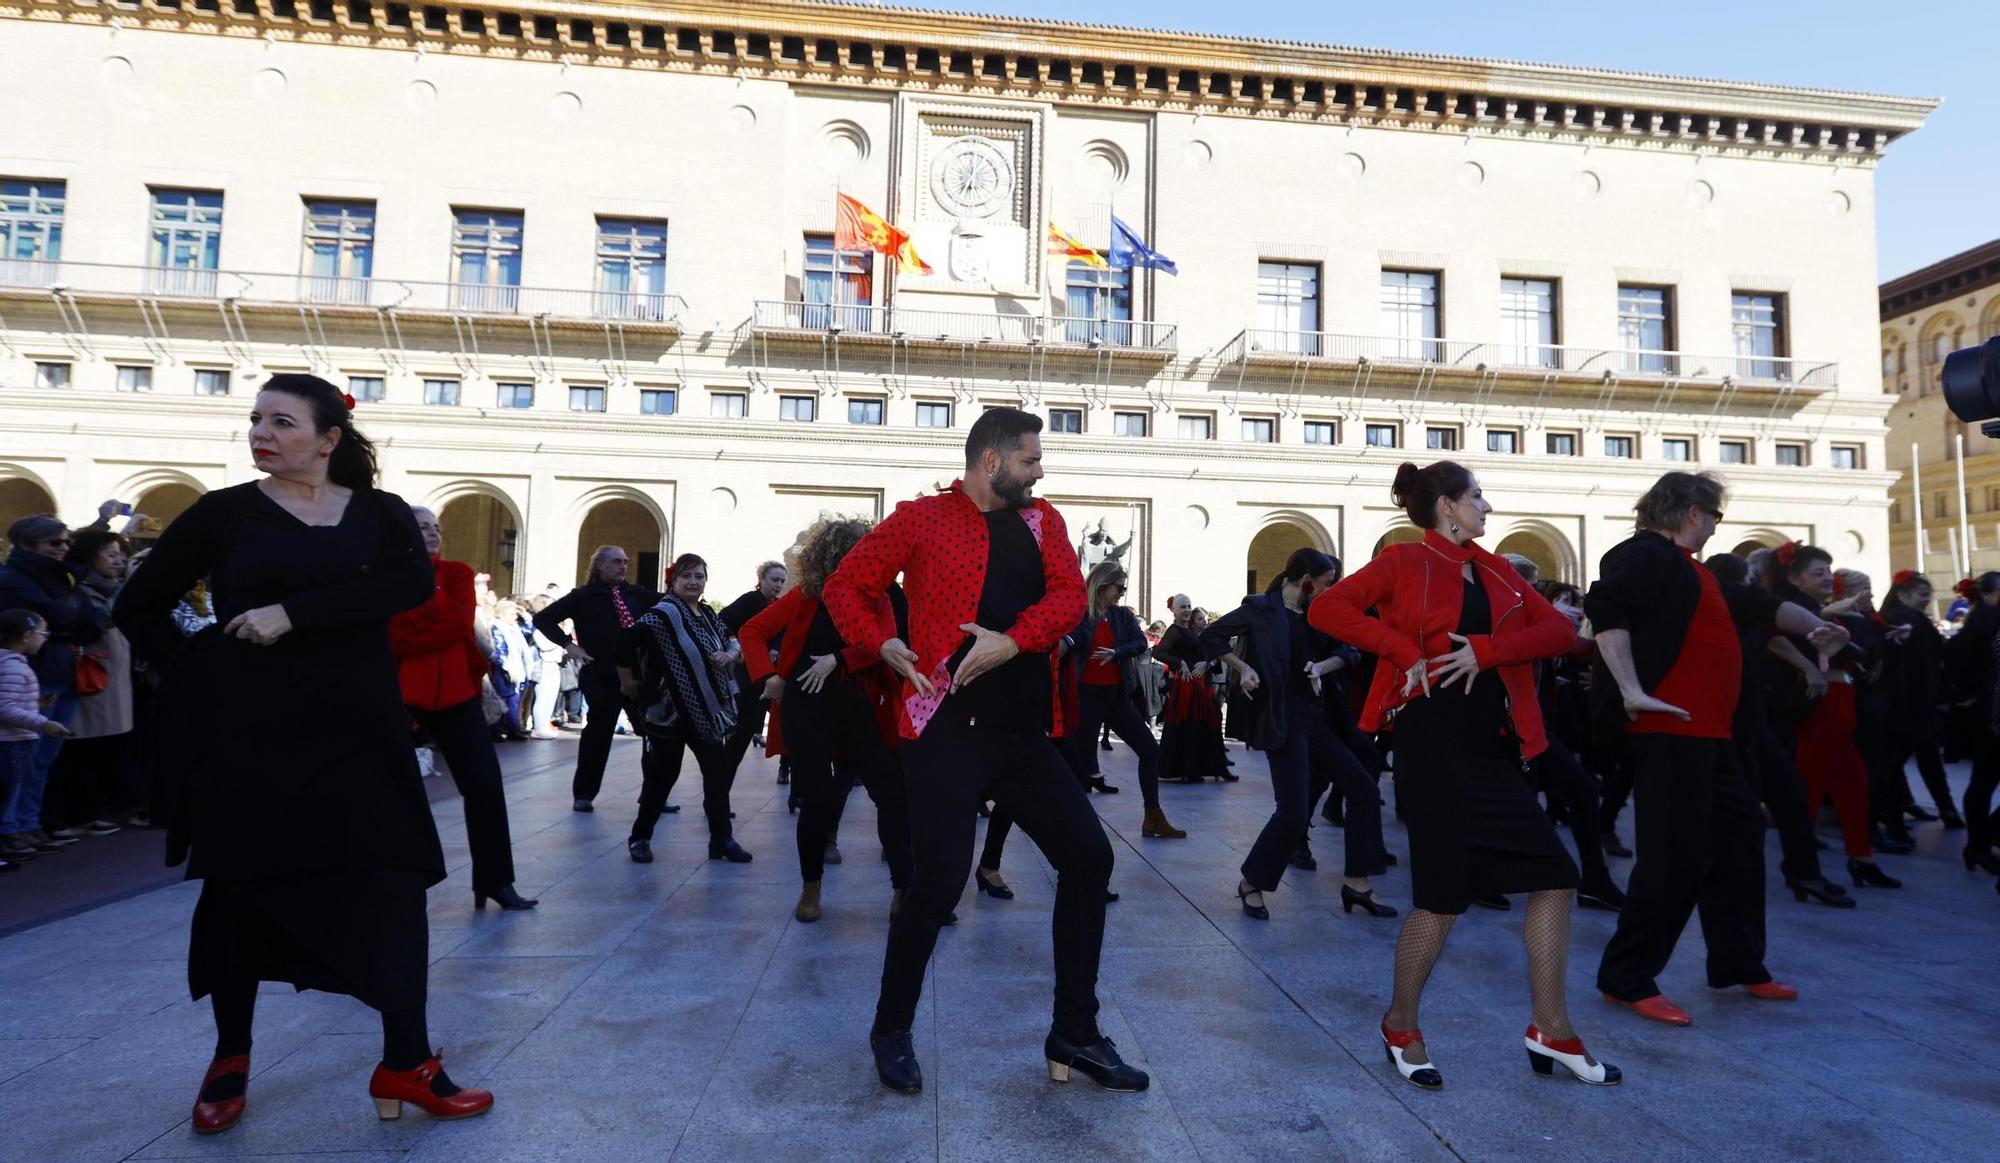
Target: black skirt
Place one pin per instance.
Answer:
(365, 934)
(1191, 747)
(1475, 826)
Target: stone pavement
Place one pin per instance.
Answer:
(675, 1010)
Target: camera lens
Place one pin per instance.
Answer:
(1972, 382)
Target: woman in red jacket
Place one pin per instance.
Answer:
(840, 712)
(439, 664)
(1448, 612)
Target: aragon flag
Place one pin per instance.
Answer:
(1063, 244)
(856, 227)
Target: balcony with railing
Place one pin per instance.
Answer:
(247, 290)
(1335, 350)
(921, 326)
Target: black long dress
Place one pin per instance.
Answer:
(291, 784)
(1475, 826)
(1191, 747)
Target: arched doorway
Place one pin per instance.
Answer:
(479, 531)
(1759, 539)
(1540, 547)
(21, 497)
(629, 525)
(160, 505)
(1396, 536)
(1271, 546)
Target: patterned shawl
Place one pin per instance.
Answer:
(693, 689)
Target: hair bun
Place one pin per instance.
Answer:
(1406, 480)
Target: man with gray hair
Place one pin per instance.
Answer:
(601, 609)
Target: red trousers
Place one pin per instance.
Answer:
(1831, 764)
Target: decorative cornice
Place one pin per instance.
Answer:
(891, 49)
(1968, 270)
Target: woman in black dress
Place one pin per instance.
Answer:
(1191, 748)
(293, 790)
(1447, 612)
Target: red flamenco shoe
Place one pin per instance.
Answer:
(213, 1118)
(1773, 991)
(392, 1088)
(1656, 1008)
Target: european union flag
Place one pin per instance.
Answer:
(1129, 250)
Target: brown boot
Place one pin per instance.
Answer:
(808, 910)
(1156, 825)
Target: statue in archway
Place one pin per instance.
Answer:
(1098, 546)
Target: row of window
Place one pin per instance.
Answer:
(838, 289)
(872, 411)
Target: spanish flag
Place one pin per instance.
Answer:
(1063, 244)
(856, 227)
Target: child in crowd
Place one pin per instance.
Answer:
(22, 724)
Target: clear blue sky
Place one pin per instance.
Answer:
(1938, 189)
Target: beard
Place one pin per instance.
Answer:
(1016, 491)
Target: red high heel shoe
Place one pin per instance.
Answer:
(1544, 1052)
(392, 1088)
(213, 1118)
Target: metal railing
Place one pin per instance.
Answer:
(1260, 344)
(918, 325)
(402, 295)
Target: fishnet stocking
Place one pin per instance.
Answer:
(1417, 950)
(1546, 933)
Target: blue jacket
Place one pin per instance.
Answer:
(1128, 642)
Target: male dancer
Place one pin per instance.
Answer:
(601, 609)
(993, 584)
(1667, 631)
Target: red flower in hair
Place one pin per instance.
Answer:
(1903, 577)
(347, 400)
(1787, 552)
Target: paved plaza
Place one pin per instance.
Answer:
(676, 1011)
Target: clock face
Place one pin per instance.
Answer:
(972, 178)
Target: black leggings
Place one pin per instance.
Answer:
(833, 742)
(1102, 707)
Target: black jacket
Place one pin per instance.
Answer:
(52, 589)
(589, 609)
(1180, 646)
(1264, 641)
(1916, 672)
(736, 615)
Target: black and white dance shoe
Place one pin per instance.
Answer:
(1099, 1060)
(896, 1062)
(1416, 1074)
(1544, 1052)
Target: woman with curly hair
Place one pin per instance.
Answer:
(839, 711)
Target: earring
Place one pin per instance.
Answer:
(1454, 527)
(329, 452)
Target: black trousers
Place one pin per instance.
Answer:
(460, 733)
(1979, 793)
(997, 826)
(1888, 783)
(1700, 841)
(660, 769)
(594, 750)
(1563, 777)
(1102, 708)
(1310, 745)
(950, 771)
(1775, 776)
(833, 743)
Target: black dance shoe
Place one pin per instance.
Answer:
(1868, 874)
(641, 851)
(1097, 1059)
(1824, 891)
(1302, 859)
(896, 1062)
(1882, 840)
(997, 889)
(1256, 912)
(581, 806)
(1102, 788)
(1918, 813)
(1985, 860)
(506, 898)
(1497, 902)
(1600, 893)
(728, 850)
(1613, 846)
(1949, 815)
(1365, 901)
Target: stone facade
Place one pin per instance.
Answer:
(735, 126)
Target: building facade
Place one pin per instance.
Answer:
(1951, 508)
(577, 262)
